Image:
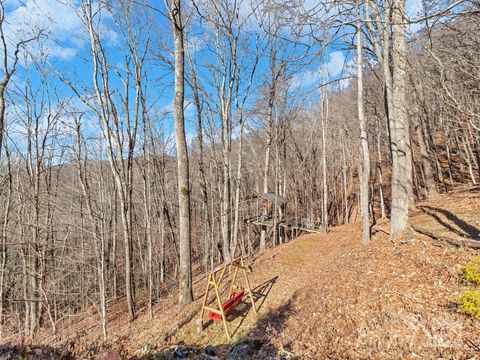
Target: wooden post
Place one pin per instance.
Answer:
(212, 281)
(224, 318)
(234, 278)
(247, 283)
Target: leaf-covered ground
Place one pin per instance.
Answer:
(327, 296)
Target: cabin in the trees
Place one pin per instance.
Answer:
(269, 203)
(274, 217)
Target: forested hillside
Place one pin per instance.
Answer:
(143, 143)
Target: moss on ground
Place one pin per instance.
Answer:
(468, 302)
(471, 271)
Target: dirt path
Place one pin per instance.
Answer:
(329, 297)
(277, 276)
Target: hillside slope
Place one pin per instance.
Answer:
(325, 296)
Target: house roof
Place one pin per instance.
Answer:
(274, 198)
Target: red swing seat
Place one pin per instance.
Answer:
(234, 299)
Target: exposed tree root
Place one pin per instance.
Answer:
(475, 244)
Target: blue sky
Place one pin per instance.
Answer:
(67, 46)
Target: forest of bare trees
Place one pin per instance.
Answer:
(108, 194)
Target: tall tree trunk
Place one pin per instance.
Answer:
(344, 181)
(324, 116)
(365, 164)
(2, 113)
(201, 160)
(401, 169)
(263, 233)
(105, 111)
(425, 153)
(185, 271)
(3, 244)
(380, 173)
(238, 180)
(430, 184)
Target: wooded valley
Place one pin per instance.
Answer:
(144, 159)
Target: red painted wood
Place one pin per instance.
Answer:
(235, 298)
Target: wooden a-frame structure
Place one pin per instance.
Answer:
(214, 279)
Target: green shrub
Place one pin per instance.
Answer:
(468, 302)
(471, 271)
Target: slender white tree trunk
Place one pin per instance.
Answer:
(365, 153)
(263, 233)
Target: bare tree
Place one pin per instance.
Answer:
(401, 168)
(185, 274)
(10, 58)
(365, 153)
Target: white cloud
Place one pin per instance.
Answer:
(196, 43)
(335, 66)
(305, 78)
(59, 21)
(336, 63)
(412, 7)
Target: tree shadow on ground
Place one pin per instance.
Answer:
(467, 230)
(260, 294)
(256, 345)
